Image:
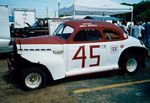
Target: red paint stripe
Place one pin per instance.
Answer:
(41, 40)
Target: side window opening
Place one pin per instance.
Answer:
(88, 35)
(81, 36)
(111, 35)
(93, 35)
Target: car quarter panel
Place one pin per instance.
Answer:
(131, 42)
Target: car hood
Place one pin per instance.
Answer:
(41, 40)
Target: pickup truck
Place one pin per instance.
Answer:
(5, 39)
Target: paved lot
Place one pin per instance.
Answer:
(108, 87)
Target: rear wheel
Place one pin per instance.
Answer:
(130, 63)
(33, 78)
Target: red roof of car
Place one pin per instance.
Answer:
(79, 23)
(73, 23)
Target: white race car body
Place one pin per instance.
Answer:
(77, 47)
(58, 58)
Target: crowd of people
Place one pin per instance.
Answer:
(139, 30)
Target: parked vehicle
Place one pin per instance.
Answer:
(42, 26)
(5, 39)
(77, 47)
(22, 17)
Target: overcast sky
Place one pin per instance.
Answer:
(41, 5)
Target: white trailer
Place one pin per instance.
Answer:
(24, 16)
(4, 30)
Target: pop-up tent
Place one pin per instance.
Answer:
(103, 18)
(94, 17)
(95, 7)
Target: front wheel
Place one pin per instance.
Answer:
(130, 63)
(33, 78)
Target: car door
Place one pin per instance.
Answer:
(84, 52)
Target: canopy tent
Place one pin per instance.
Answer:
(95, 7)
(103, 18)
(94, 17)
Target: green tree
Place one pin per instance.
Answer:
(141, 11)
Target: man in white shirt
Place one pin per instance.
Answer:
(136, 30)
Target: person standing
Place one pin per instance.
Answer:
(141, 29)
(115, 22)
(123, 26)
(146, 35)
(136, 30)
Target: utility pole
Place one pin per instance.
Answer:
(74, 11)
(47, 11)
(58, 8)
(55, 12)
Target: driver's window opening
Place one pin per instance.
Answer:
(88, 35)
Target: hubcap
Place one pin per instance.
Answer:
(33, 80)
(131, 65)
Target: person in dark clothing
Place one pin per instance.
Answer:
(146, 35)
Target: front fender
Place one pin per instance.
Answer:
(54, 63)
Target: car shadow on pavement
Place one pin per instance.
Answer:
(114, 73)
(10, 80)
(107, 74)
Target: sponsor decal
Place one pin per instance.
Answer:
(103, 46)
(58, 52)
(114, 49)
(88, 25)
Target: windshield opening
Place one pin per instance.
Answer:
(63, 31)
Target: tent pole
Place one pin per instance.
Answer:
(131, 22)
(132, 17)
(58, 9)
(74, 13)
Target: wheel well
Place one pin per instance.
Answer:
(23, 62)
(141, 52)
(48, 73)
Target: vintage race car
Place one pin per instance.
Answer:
(77, 47)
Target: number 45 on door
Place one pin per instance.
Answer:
(83, 57)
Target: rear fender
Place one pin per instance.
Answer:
(142, 52)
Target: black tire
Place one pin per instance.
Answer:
(130, 64)
(29, 75)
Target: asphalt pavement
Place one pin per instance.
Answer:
(106, 87)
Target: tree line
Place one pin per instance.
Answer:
(141, 11)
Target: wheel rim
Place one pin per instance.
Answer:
(131, 65)
(33, 80)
